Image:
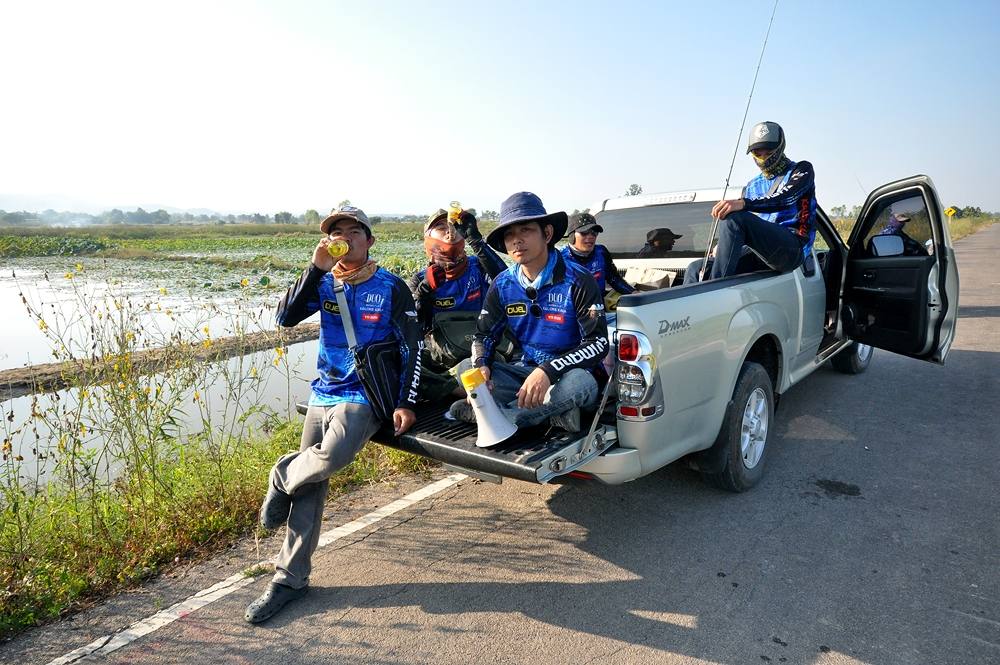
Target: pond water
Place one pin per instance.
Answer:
(226, 403)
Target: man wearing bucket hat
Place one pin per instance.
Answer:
(773, 224)
(595, 259)
(449, 293)
(556, 313)
(340, 419)
(658, 243)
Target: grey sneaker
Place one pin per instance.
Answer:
(567, 420)
(271, 602)
(274, 511)
(462, 410)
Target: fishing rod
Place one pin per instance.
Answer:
(739, 137)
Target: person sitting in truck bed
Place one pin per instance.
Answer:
(595, 259)
(556, 313)
(449, 293)
(773, 225)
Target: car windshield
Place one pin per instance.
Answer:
(673, 230)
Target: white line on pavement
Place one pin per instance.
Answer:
(109, 643)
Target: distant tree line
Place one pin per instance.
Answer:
(142, 217)
(842, 212)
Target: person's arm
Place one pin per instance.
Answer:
(489, 328)
(800, 183)
(491, 261)
(613, 277)
(593, 346)
(301, 300)
(423, 295)
(407, 330)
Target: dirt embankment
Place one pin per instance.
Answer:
(49, 377)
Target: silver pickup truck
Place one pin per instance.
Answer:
(698, 369)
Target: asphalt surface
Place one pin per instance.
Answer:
(873, 538)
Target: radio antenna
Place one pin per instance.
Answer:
(739, 137)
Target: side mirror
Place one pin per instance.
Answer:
(887, 245)
(929, 246)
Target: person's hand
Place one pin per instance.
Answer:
(722, 209)
(402, 420)
(532, 391)
(467, 226)
(321, 257)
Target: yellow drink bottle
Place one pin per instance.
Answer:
(337, 248)
(454, 212)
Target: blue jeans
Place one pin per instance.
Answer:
(773, 245)
(577, 387)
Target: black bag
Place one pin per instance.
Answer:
(450, 339)
(379, 366)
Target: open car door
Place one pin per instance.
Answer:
(900, 289)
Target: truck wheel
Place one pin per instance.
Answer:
(746, 428)
(854, 359)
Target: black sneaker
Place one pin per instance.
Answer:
(274, 511)
(271, 602)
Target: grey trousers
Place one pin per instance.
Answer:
(577, 387)
(331, 437)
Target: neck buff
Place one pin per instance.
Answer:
(543, 278)
(580, 254)
(357, 275)
(450, 257)
(776, 163)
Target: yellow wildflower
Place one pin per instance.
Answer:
(244, 282)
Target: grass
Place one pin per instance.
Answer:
(116, 488)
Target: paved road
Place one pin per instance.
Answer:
(872, 539)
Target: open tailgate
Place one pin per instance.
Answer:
(535, 454)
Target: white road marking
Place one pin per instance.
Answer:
(109, 643)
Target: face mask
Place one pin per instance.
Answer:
(774, 164)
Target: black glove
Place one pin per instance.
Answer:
(467, 226)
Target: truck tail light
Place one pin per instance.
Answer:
(628, 347)
(635, 377)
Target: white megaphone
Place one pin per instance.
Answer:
(493, 427)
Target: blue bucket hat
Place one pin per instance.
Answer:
(525, 207)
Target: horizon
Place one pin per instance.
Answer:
(168, 106)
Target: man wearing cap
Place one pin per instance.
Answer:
(452, 283)
(595, 259)
(894, 227)
(658, 243)
(556, 313)
(339, 421)
(773, 224)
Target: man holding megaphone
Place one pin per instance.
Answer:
(556, 313)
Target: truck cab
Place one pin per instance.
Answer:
(698, 368)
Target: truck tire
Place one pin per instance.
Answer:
(854, 359)
(745, 431)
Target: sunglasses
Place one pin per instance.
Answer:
(591, 232)
(535, 309)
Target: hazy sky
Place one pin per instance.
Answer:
(404, 106)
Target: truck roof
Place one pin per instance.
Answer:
(662, 198)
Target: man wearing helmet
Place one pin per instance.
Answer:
(773, 224)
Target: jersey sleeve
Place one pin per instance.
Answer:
(801, 183)
(613, 277)
(302, 299)
(489, 328)
(406, 328)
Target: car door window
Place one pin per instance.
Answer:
(905, 218)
